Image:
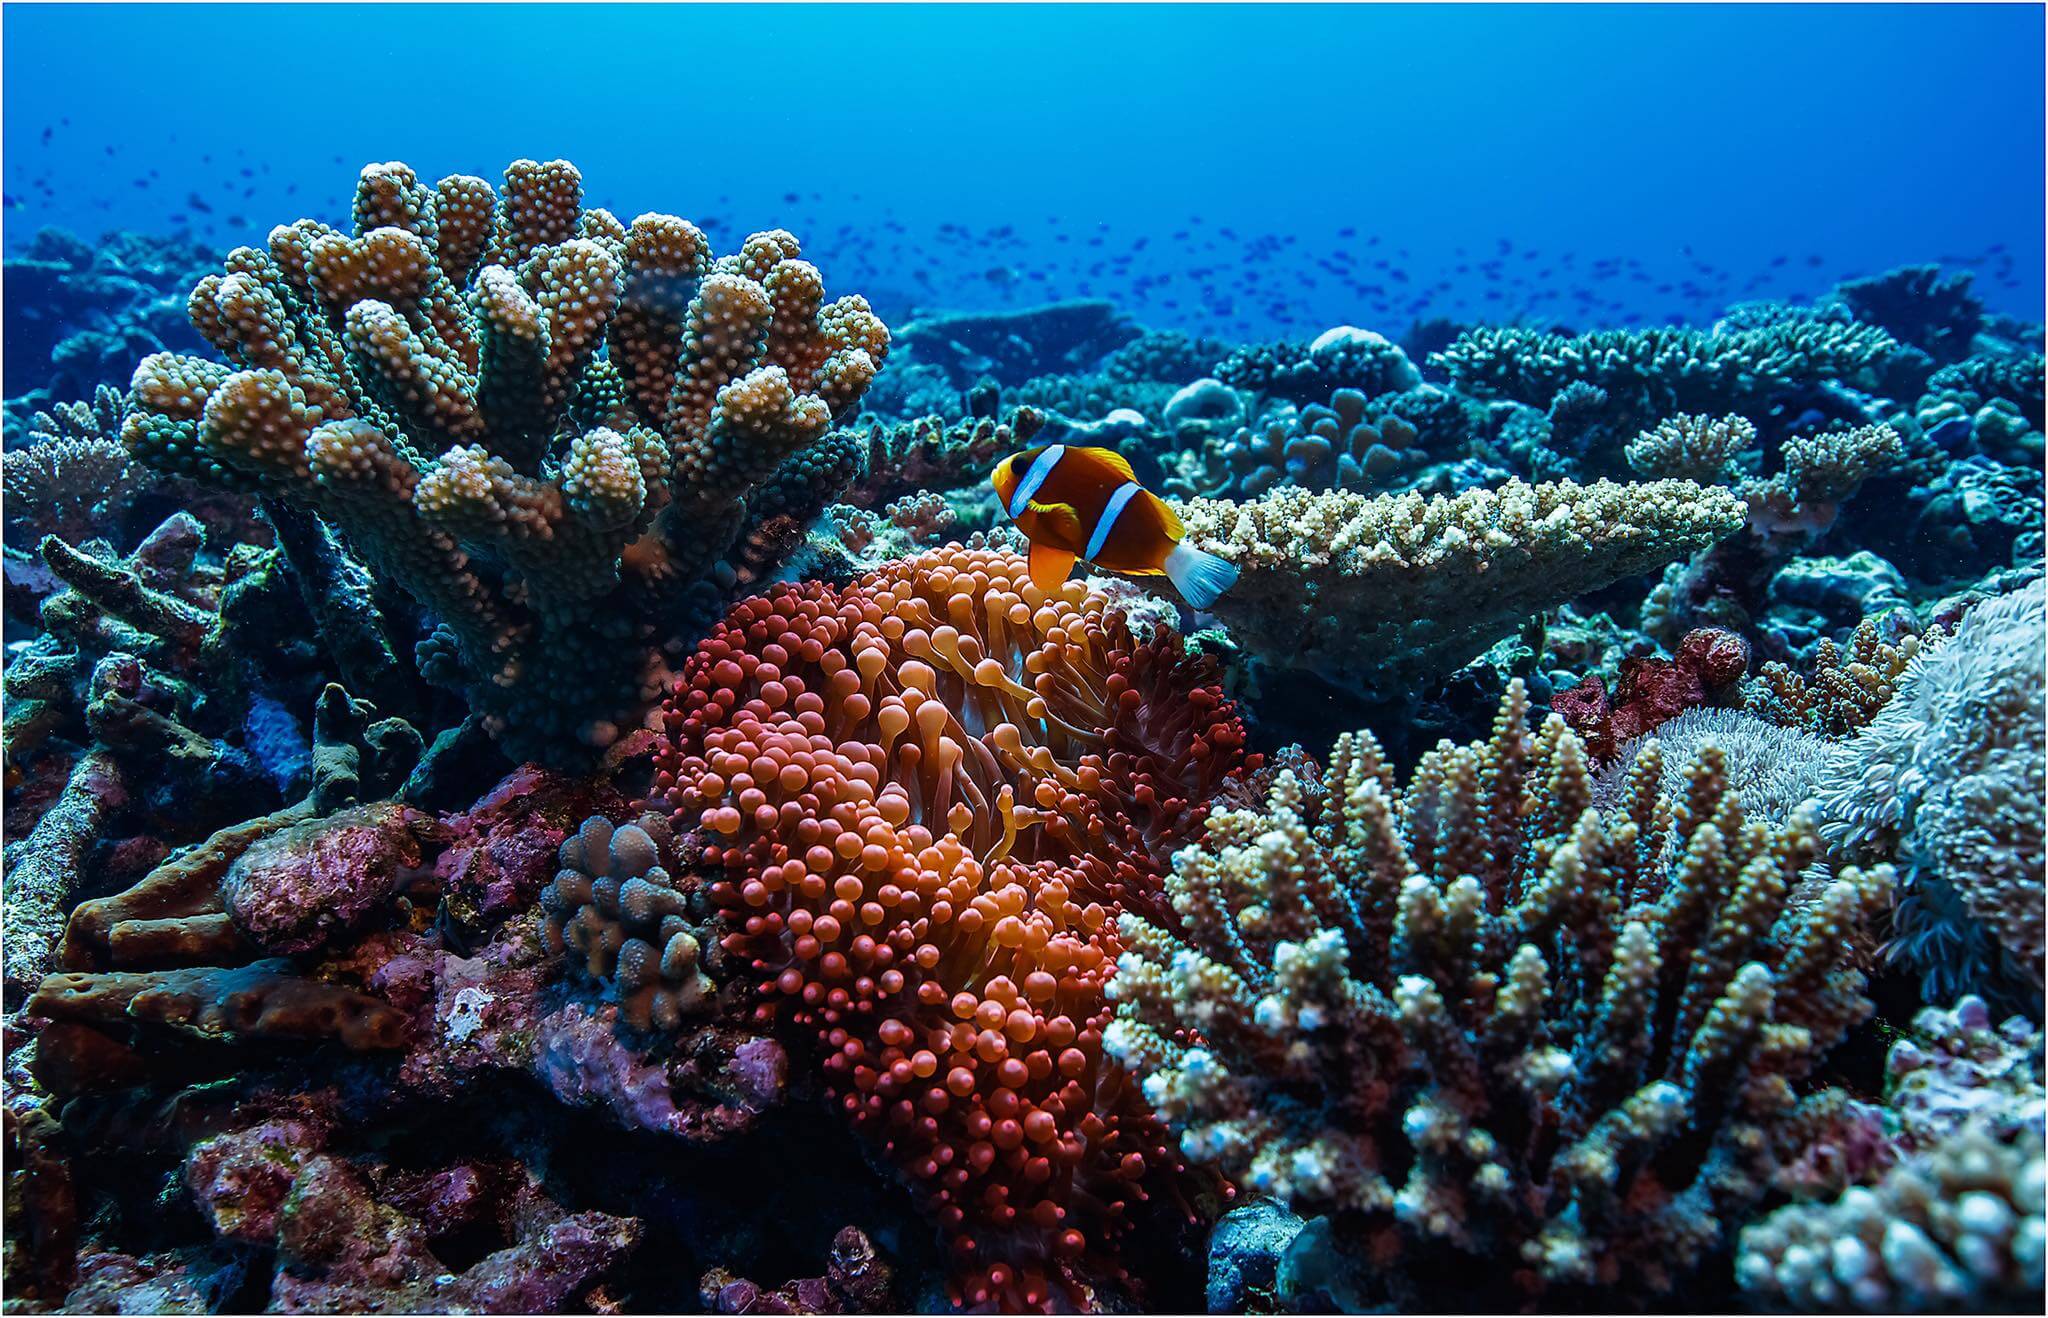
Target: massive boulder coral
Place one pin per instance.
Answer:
(925, 797)
(542, 422)
(1520, 1047)
(1383, 595)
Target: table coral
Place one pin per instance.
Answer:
(926, 796)
(540, 421)
(1384, 594)
(1522, 1047)
(1651, 374)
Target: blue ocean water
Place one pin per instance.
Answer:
(1247, 171)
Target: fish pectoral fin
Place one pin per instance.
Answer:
(1059, 522)
(1049, 566)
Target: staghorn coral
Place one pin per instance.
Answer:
(1384, 594)
(541, 422)
(1949, 776)
(1521, 1049)
(924, 797)
(614, 902)
(1819, 472)
(1693, 448)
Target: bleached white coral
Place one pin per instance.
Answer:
(1772, 769)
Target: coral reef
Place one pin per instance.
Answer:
(928, 796)
(1948, 778)
(1955, 1224)
(1341, 358)
(1384, 594)
(1481, 1022)
(538, 778)
(433, 385)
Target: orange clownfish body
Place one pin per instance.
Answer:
(1083, 503)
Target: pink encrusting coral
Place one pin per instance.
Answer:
(927, 797)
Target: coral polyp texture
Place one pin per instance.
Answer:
(926, 798)
(1385, 593)
(541, 421)
(1522, 1048)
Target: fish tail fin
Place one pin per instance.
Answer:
(1199, 575)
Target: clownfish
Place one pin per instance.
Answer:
(1084, 503)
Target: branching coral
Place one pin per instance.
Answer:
(615, 902)
(926, 796)
(1520, 1047)
(1386, 594)
(72, 478)
(1843, 689)
(931, 454)
(1693, 448)
(1949, 777)
(542, 422)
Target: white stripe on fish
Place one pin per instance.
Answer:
(1103, 524)
(1035, 478)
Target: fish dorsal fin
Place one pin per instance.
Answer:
(1049, 566)
(1113, 460)
(1059, 521)
(1170, 520)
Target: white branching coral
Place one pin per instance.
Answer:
(1482, 1019)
